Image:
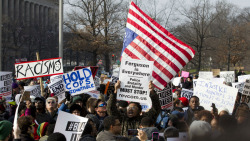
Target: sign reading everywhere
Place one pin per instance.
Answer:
(246, 89)
(165, 97)
(186, 93)
(34, 90)
(58, 88)
(71, 126)
(40, 68)
(135, 76)
(228, 75)
(78, 82)
(6, 84)
(207, 75)
(221, 95)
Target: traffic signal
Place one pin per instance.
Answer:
(113, 57)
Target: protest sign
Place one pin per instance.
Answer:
(218, 80)
(56, 78)
(34, 90)
(216, 72)
(135, 76)
(58, 88)
(93, 69)
(165, 97)
(242, 78)
(207, 75)
(186, 93)
(78, 82)
(176, 81)
(239, 86)
(6, 85)
(94, 94)
(97, 82)
(115, 75)
(228, 75)
(39, 68)
(221, 95)
(246, 89)
(71, 126)
(184, 74)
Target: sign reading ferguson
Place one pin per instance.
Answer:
(80, 81)
(40, 68)
(135, 76)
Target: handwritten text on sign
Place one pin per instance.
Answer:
(135, 76)
(228, 75)
(39, 68)
(6, 84)
(246, 89)
(223, 96)
(80, 81)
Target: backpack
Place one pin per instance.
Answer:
(162, 119)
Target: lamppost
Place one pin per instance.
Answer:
(61, 28)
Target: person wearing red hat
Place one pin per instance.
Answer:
(184, 101)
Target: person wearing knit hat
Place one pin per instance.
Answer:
(5, 130)
(200, 131)
(42, 129)
(184, 101)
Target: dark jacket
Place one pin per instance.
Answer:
(133, 123)
(43, 117)
(105, 136)
(189, 114)
(88, 138)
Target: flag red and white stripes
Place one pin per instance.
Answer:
(154, 43)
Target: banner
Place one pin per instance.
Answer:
(135, 76)
(221, 95)
(58, 88)
(6, 84)
(228, 75)
(165, 97)
(78, 82)
(176, 81)
(93, 69)
(216, 72)
(34, 90)
(246, 89)
(207, 75)
(71, 126)
(40, 68)
(186, 93)
(239, 86)
(243, 78)
(184, 74)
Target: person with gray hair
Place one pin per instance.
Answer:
(51, 108)
(200, 131)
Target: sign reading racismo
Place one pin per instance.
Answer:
(40, 68)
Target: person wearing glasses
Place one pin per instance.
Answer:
(41, 115)
(50, 107)
(132, 119)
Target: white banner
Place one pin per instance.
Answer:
(243, 78)
(6, 84)
(221, 95)
(79, 81)
(246, 89)
(228, 75)
(207, 75)
(135, 76)
(71, 126)
(40, 68)
(186, 93)
(34, 90)
(239, 86)
(58, 88)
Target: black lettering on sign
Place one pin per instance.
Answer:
(75, 126)
(7, 82)
(75, 136)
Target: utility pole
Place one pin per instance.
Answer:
(61, 28)
(1, 24)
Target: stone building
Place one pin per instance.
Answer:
(29, 26)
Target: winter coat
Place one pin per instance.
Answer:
(105, 136)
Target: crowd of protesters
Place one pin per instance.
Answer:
(110, 119)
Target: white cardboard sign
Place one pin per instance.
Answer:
(221, 95)
(6, 84)
(228, 75)
(206, 75)
(34, 90)
(56, 78)
(246, 88)
(239, 86)
(176, 81)
(135, 76)
(71, 126)
(218, 80)
(242, 78)
(58, 88)
(40, 68)
(79, 81)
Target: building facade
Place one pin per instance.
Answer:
(29, 26)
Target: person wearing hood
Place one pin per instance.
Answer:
(132, 119)
(147, 125)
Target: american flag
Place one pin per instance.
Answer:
(145, 39)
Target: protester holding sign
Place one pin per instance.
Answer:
(133, 118)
